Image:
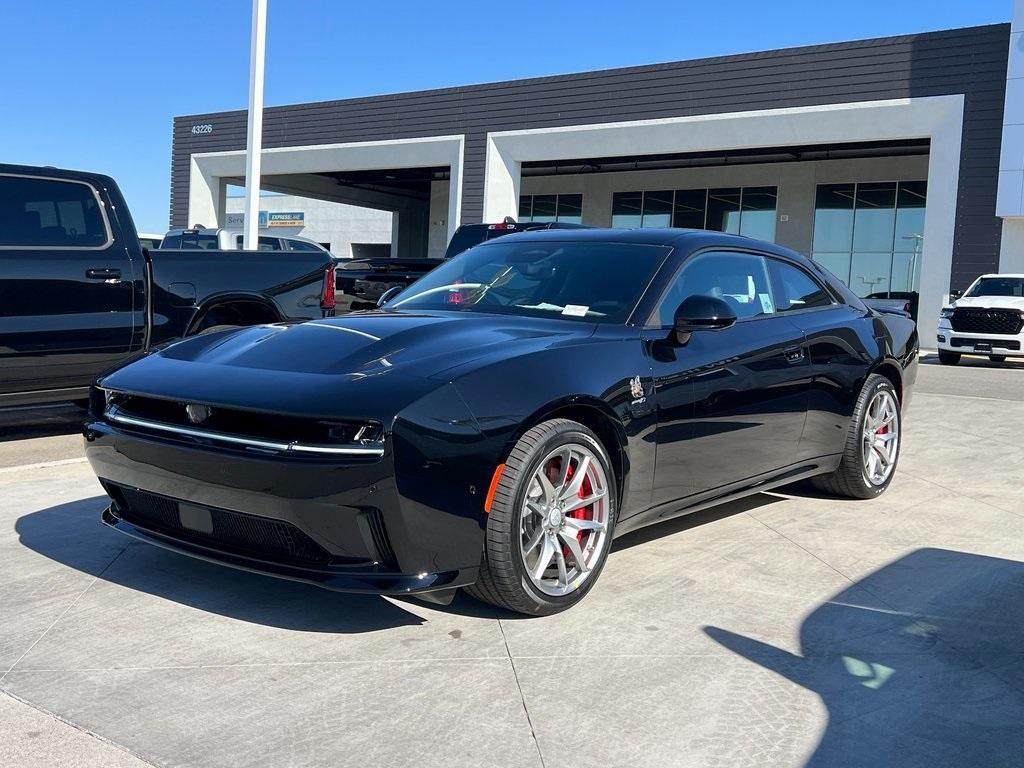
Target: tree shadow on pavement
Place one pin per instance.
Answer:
(72, 534)
(919, 664)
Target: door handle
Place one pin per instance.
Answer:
(794, 354)
(106, 274)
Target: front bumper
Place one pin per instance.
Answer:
(340, 525)
(949, 340)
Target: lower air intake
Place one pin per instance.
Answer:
(235, 532)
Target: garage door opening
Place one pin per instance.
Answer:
(413, 183)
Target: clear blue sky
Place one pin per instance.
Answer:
(96, 84)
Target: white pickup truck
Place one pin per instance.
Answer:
(988, 319)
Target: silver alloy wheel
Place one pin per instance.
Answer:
(880, 440)
(564, 522)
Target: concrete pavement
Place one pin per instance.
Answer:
(784, 630)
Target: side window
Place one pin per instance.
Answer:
(269, 244)
(171, 241)
(739, 279)
(301, 245)
(796, 289)
(50, 213)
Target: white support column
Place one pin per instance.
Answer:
(254, 140)
(1010, 199)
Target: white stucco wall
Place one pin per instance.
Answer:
(327, 222)
(1010, 200)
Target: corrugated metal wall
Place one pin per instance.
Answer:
(970, 61)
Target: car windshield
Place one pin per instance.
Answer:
(997, 286)
(596, 282)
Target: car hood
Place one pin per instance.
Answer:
(361, 361)
(990, 302)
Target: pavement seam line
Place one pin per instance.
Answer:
(63, 613)
(77, 727)
(522, 697)
(960, 493)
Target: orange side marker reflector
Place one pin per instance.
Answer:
(494, 487)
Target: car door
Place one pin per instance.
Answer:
(731, 403)
(840, 348)
(66, 288)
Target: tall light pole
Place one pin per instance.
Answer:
(254, 140)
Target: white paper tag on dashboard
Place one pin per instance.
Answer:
(575, 310)
(766, 303)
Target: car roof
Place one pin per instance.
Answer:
(687, 239)
(1017, 275)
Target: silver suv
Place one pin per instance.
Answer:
(225, 239)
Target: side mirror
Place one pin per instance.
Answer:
(702, 313)
(388, 295)
(954, 295)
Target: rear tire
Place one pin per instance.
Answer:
(867, 443)
(948, 358)
(997, 358)
(520, 512)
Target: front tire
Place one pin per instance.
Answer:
(948, 358)
(551, 521)
(873, 444)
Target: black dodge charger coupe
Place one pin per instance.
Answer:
(498, 422)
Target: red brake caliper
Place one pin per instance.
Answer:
(583, 513)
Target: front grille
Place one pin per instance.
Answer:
(1005, 321)
(235, 532)
(995, 343)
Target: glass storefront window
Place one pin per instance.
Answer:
(746, 211)
(724, 210)
(690, 207)
(525, 208)
(870, 235)
(570, 209)
(874, 217)
(627, 208)
(545, 208)
(757, 212)
(548, 208)
(833, 218)
(657, 209)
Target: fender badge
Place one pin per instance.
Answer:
(636, 387)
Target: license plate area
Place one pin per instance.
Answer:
(194, 518)
(982, 346)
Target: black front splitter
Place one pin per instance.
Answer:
(433, 587)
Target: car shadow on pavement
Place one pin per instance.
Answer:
(919, 664)
(73, 535)
(49, 421)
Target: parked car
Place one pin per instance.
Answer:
(227, 239)
(905, 301)
(361, 283)
(987, 319)
(496, 424)
(150, 240)
(79, 294)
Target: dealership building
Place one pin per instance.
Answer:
(896, 162)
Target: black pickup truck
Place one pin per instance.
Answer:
(79, 294)
(362, 282)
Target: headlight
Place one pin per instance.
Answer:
(946, 313)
